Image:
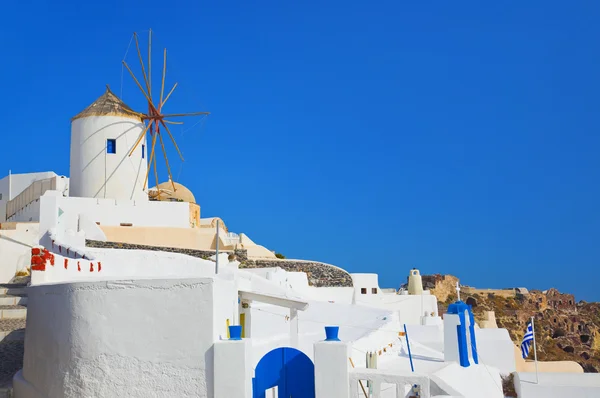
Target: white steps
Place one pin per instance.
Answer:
(12, 300)
(13, 312)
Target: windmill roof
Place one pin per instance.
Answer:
(108, 104)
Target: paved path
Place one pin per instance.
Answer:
(11, 353)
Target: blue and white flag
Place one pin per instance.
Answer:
(527, 339)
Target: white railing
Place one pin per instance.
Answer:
(30, 194)
(378, 377)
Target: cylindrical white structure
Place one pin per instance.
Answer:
(415, 283)
(101, 138)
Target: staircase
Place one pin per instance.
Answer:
(13, 314)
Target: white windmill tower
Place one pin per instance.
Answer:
(102, 136)
(109, 155)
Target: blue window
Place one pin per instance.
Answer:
(111, 146)
(143, 150)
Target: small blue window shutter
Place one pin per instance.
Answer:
(111, 146)
(143, 150)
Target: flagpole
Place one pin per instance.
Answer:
(537, 381)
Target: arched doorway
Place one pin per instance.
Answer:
(287, 368)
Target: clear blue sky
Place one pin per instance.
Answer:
(456, 137)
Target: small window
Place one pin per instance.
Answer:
(374, 290)
(143, 150)
(0, 196)
(363, 290)
(111, 146)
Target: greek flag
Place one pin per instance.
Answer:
(527, 339)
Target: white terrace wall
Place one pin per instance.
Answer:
(270, 327)
(64, 213)
(134, 338)
(114, 264)
(298, 282)
(15, 249)
(12, 185)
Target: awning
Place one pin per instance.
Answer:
(273, 300)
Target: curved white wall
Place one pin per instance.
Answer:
(98, 174)
(131, 338)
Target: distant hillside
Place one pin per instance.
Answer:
(565, 330)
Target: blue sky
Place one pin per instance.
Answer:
(456, 137)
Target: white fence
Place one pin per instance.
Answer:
(29, 195)
(403, 382)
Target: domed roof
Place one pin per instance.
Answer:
(108, 104)
(181, 193)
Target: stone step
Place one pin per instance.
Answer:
(16, 290)
(12, 330)
(13, 312)
(12, 300)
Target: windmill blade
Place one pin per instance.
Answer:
(139, 139)
(152, 156)
(162, 87)
(150, 62)
(172, 139)
(162, 144)
(168, 95)
(141, 88)
(186, 114)
(137, 45)
(172, 122)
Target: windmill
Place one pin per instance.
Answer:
(156, 120)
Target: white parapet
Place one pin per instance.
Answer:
(331, 370)
(233, 369)
(451, 354)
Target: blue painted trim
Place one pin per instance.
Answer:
(408, 345)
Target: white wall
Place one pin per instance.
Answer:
(495, 348)
(25, 207)
(270, 328)
(475, 381)
(108, 212)
(557, 385)
(119, 264)
(30, 213)
(97, 174)
(15, 249)
(135, 338)
(14, 184)
(5, 197)
(334, 294)
(410, 308)
(365, 281)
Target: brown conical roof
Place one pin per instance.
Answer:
(108, 104)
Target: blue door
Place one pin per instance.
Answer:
(287, 368)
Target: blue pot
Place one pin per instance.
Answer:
(235, 332)
(331, 333)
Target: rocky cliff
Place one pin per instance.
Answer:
(565, 330)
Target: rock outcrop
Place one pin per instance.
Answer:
(565, 330)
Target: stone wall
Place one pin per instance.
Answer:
(204, 254)
(443, 287)
(319, 274)
(508, 293)
(560, 301)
